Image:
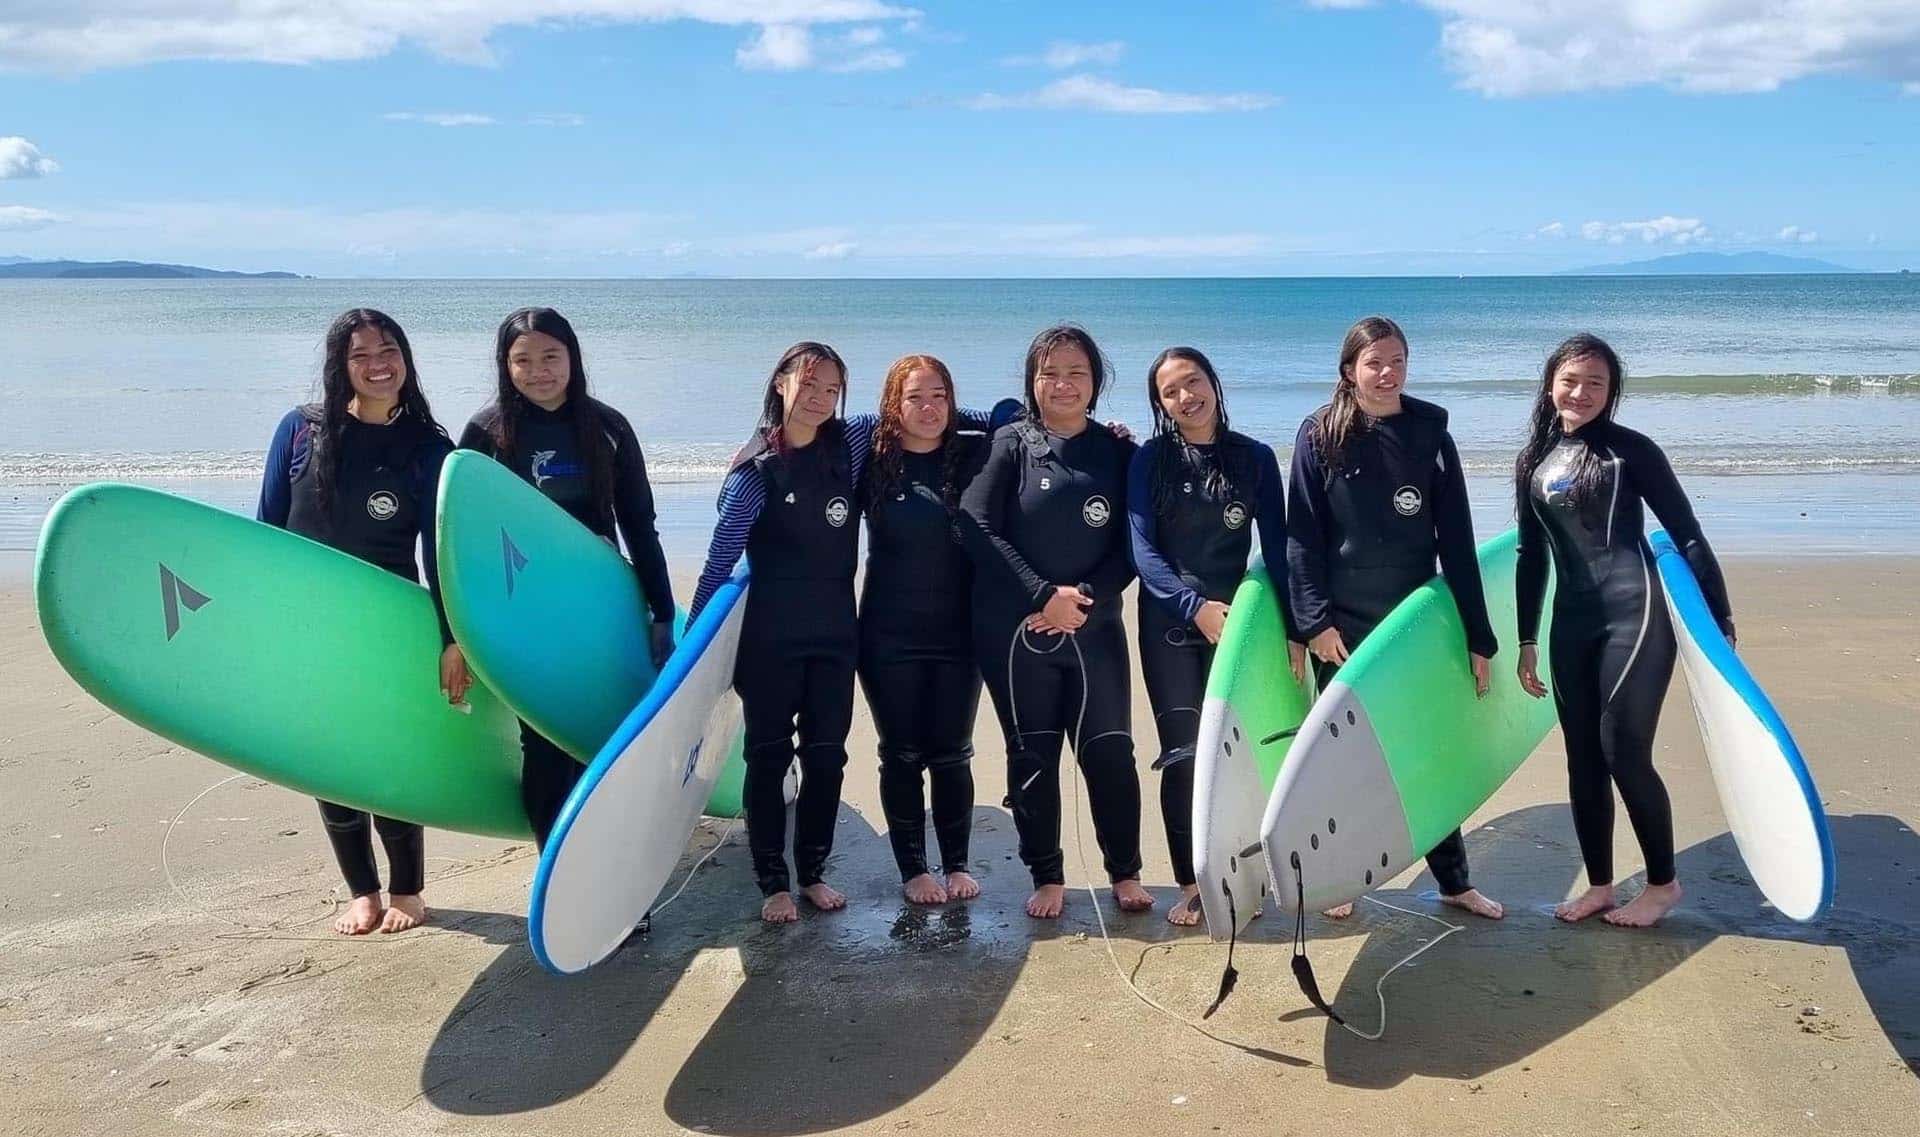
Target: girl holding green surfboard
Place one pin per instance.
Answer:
(359, 471)
(1377, 494)
(1195, 493)
(582, 454)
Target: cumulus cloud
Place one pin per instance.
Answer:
(21, 217)
(439, 118)
(1550, 229)
(796, 47)
(1793, 234)
(1065, 56)
(831, 251)
(1665, 229)
(22, 159)
(1091, 93)
(79, 35)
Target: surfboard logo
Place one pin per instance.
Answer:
(1235, 515)
(1096, 512)
(1406, 501)
(175, 592)
(693, 760)
(837, 512)
(512, 558)
(382, 506)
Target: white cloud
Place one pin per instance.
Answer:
(79, 35)
(777, 47)
(439, 118)
(19, 217)
(795, 47)
(832, 251)
(1667, 229)
(1550, 229)
(1091, 93)
(1345, 4)
(1796, 235)
(557, 120)
(22, 159)
(1064, 56)
(1534, 47)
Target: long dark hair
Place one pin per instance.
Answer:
(773, 408)
(1544, 431)
(336, 391)
(592, 437)
(1167, 464)
(885, 465)
(1043, 345)
(1343, 419)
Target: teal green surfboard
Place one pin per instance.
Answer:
(1252, 709)
(273, 654)
(1397, 752)
(550, 615)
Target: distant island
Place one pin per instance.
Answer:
(20, 268)
(1710, 264)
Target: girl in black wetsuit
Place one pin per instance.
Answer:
(583, 455)
(916, 641)
(1377, 494)
(1192, 492)
(1043, 522)
(1579, 484)
(360, 471)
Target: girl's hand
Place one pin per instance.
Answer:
(660, 641)
(1328, 647)
(1211, 619)
(1121, 431)
(455, 680)
(1297, 660)
(1065, 610)
(1482, 674)
(1529, 670)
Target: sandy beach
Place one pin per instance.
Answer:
(225, 1004)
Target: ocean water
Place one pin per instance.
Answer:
(1787, 404)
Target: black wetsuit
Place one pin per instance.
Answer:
(546, 454)
(1049, 511)
(1360, 539)
(386, 480)
(1612, 647)
(1191, 544)
(916, 653)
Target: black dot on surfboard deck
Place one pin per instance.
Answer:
(1350, 718)
(1335, 728)
(1383, 860)
(1369, 876)
(1228, 747)
(1236, 734)
(1233, 863)
(1330, 826)
(1293, 858)
(1313, 839)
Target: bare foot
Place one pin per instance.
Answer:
(1472, 901)
(1593, 901)
(1646, 909)
(779, 909)
(1131, 897)
(962, 886)
(404, 912)
(824, 898)
(362, 916)
(1047, 901)
(923, 889)
(1186, 913)
(1338, 911)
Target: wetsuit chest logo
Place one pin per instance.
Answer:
(1406, 501)
(382, 506)
(1235, 515)
(1096, 512)
(538, 467)
(837, 512)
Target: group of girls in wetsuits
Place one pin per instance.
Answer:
(999, 544)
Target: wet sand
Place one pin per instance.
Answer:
(228, 1005)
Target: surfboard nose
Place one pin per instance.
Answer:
(1335, 827)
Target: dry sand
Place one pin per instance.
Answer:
(129, 1007)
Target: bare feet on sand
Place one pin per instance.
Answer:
(824, 898)
(403, 912)
(1593, 901)
(1186, 913)
(923, 889)
(1131, 897)
(1472, 901)
(1047, 901)
(962, 886)
(362, 916)
(1338, 911)
(779, 909)
(1646, 909)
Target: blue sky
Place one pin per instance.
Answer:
(860, 138)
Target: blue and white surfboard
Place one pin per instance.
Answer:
(1768, 796)
(626, 823)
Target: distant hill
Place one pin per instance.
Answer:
(1710, 264)
(19, 268)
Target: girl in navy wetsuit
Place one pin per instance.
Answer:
(1195, 493)
(584, 456)
(1580, 484)
(1377, 495)
(359, 471)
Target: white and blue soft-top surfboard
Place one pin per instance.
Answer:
(626, 823)
(1766, 792)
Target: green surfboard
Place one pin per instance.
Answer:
(1397, 752)
(273, 654)
(1252, 708)
(550, 615)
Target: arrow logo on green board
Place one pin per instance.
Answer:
(515, 559)
(173, 593)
